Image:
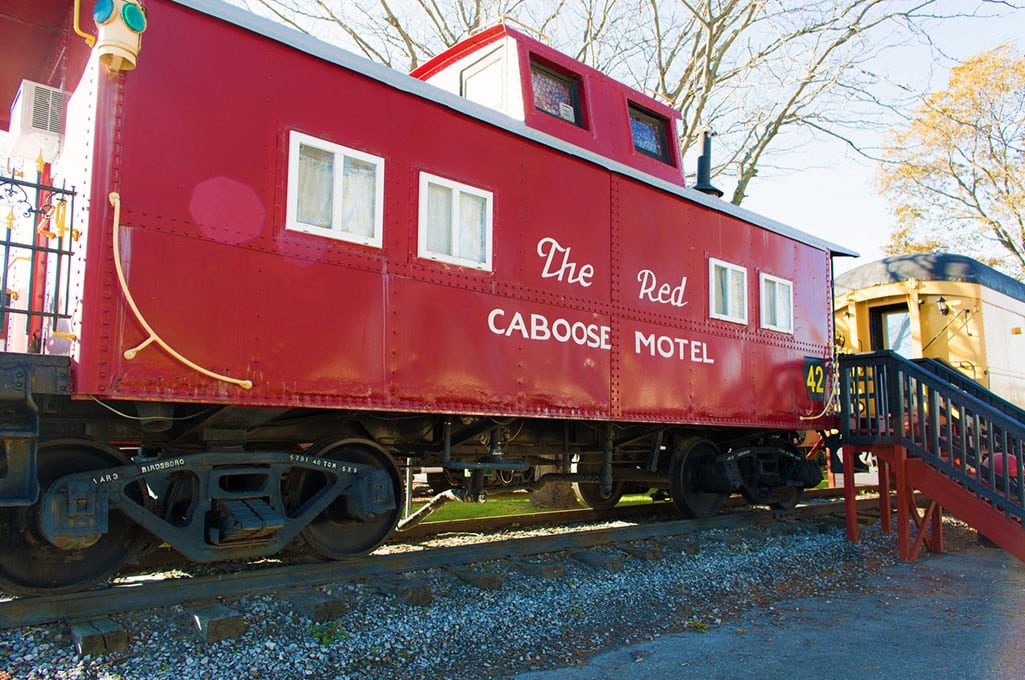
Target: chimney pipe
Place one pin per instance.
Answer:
(704, 183)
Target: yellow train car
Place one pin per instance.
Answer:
(941, 306)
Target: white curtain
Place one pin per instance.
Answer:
(439, 219)
(738, 294)
(472, 227)
(359, 195)
(316, 185)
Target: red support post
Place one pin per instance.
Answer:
(921, 522)
(37, 294)
(900, 473)
(885, 502)
(850, 505)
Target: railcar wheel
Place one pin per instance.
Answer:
(30, 564)
(784, 498)
(687, 460)
(787, 498)
(335, 534)
(589, 493)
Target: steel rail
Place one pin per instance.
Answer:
(130, 595)
(168, 558)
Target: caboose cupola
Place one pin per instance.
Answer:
(510, 72)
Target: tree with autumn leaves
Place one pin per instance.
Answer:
(956, 174)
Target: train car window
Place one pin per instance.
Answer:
(455, 222)
(727, 291)
(334, 191)
(649, 133)
(890, 328)
(484, 81)
(777, 296)
(555, 94)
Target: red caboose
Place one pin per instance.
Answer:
(281, 267)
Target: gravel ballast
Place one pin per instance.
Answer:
(529, 623)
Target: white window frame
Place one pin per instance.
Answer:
(730, 267)
(762, 280)
(340, 152)
(457, 189)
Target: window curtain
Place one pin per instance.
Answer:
(359, 185)
(439, 219)
(316, 186)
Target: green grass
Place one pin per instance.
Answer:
(501, 506)
(518, 504)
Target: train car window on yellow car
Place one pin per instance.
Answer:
(890, 328)
(455, 222)
(556, 94)
(727, 291)
(649, 133)
(334, 191)
(777, 296)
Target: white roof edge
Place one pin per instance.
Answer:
(401, 81)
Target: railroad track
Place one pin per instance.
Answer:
(132, 594)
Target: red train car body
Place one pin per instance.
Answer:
(280, 244)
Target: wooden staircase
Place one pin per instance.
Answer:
(941, 435)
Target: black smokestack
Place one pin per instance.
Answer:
(704, 183)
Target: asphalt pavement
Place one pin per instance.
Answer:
(958, 616)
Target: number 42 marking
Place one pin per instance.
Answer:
(815, 378)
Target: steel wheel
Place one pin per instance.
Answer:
(787, 498)
(773, 490)
(589, 493)
(30, 564)
(688, 458)
(783, 498)
(334, 534)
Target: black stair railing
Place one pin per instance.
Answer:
(888, 400)
(958, 379)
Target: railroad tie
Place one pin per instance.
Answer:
(318, 606)
(215, 622)
(99, 636)
(681, 547)
(640, 552)
(607, 561)
(540, 569)
(485, 580)
(412, 591)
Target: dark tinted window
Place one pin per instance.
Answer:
(555, 94)
(649, 133)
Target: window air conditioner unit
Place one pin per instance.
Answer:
(36, 122)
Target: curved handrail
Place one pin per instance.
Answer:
(115, 200)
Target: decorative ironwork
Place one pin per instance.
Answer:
(16, 192)
(35, 228)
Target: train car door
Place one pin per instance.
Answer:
(890, 328)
